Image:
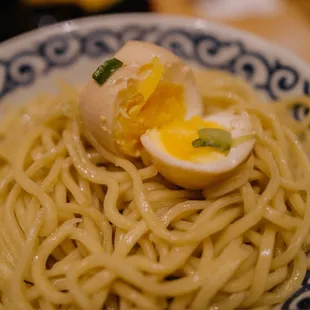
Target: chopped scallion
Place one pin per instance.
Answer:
(214, 137)
(202, 143)
(220, 139)
(104, 71)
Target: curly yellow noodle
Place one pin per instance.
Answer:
(17, 293)
(81, 228)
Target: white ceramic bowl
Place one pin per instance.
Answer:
(30, 62)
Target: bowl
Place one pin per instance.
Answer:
(31, 62)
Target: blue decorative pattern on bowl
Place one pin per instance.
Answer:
(276, 73)
(207, 49)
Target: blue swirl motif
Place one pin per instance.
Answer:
(206, 49)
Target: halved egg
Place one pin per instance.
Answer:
(172, 151)
(151, 103)
(152, 87)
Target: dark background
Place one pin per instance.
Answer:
(16, 18)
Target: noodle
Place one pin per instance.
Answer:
(81, 228)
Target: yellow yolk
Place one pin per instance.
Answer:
(150, 83)
(178, 135)
(137, 115)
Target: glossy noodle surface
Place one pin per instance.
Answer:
(83, 229)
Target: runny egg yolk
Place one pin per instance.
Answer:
(177, 137)
(145, 105)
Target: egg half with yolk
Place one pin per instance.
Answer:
(151, 103)
(152, 87)
(172, 152)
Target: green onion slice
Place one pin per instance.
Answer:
(220, 139)
(202, 143)
(104, 71)
(214, 137)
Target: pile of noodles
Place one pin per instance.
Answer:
(83, 229)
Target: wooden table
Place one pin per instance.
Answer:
(288, 25)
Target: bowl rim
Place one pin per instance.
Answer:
(184, 21)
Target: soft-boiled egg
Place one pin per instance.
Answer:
(172, 151)
(149, 102)
(152, 87)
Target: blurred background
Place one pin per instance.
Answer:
(285, 22)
